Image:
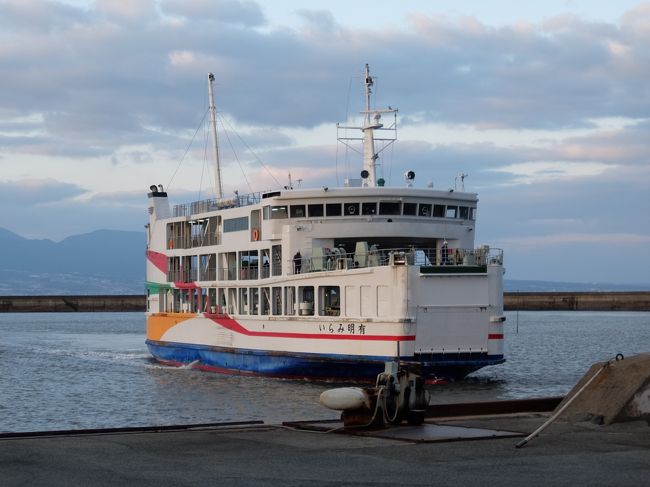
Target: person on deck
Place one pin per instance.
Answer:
(297, 263)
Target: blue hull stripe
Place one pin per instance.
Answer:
(312, 366)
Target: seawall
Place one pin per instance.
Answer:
(578, 301)
(529, 301)
(35, 304)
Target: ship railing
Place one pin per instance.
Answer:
(226, 274)
(209, 274)
(340, 260)
(181, 275)
(204, 206)
(247, 273)
(210, 239)
(194, 241)
(179, 243)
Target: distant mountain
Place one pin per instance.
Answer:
(113, 262)
(101, 262)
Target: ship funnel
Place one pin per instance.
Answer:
(158, 203)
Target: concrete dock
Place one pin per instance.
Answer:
(565, 454)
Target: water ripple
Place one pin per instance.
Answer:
(90, 370)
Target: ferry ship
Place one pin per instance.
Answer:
(325, 283)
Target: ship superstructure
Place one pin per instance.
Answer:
(325, 283)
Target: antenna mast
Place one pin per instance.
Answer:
(215, 143)
(371, 123)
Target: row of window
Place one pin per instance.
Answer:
(226, 266)
(386, 208)
(351, 301)
(256, 301)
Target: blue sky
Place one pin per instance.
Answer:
(545, 104)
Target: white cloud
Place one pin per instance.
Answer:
(245, 13)
(616, 240)
(531, 172)
(130, 11)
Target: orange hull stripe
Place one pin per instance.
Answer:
(159, 324)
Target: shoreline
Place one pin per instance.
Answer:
(513, 301)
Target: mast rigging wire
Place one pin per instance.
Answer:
(187, 149)
(259, 161)
(347, 114)
(250, 189)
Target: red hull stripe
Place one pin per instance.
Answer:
(495, 336)
(157, 259)
(233, 325)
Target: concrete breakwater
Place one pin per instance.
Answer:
(528, 301)
(46, 304)
(578, 301)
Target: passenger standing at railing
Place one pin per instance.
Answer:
(297, 263)
(445, 252)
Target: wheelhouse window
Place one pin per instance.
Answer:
(409, 209)
(297, 211)
(463, 213)
(333, 209)
(368, 208)
(452, 212)
(275, 212)
(472, 213)
(424, 210)
(351, 209)
(279, 212)
(439, 211)
(315, 210)
(389, 208)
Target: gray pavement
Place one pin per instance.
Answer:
(579, 454)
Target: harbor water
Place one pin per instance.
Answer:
(92, 370)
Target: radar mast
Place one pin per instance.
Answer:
(371, 123)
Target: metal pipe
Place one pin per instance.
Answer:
(567, 404)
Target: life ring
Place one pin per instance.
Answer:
(256, 234)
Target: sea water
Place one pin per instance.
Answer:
(92, 370)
